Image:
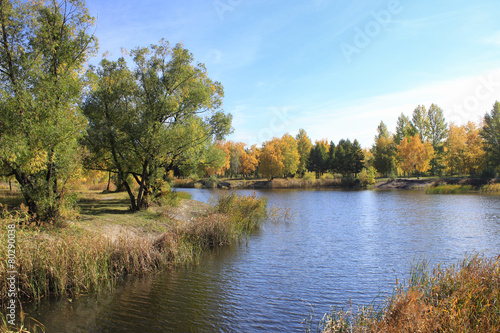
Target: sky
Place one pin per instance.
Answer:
(335, 68)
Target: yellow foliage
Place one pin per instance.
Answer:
(464, 149)
(415, 155)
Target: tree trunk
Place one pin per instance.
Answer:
(109, 181)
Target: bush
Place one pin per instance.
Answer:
(309, 175)
(461, 298)
(367, 177)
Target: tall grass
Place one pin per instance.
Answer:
(491, 188)
(459, 298)
(450, 189)
(53, 261)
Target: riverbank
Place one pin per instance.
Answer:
(277, 183)
(460, 298)
(106, 242)
(431, 185)
(441, 185)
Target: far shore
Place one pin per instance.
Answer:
(297, 183)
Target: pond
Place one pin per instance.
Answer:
(337, 248)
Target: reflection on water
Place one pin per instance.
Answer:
(337, 246)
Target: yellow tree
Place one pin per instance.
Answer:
(290, 152)
(271, 159)
(464, 149)
(414, 155)
(249, 160)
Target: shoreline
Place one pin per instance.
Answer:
(107, 242)
(467, 184)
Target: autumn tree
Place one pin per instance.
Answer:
(43, 49)
(167, 120)
(464, 152)
(271, 159)
(304, 147)
(291, 156)
(414, 155)
(249, 160)
(491, 135)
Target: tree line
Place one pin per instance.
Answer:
(426, 143)
(60, 117)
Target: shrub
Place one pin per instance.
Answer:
(367, 176)
(309, 175)
(460, 298)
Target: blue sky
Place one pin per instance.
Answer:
(335, 68)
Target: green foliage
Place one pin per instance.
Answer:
(147, 122)
(404, 129)
(44, 47)
(309, 175)
(367, 176)
(450, 189)
(318, 159)
(491, 135)
(304, 147)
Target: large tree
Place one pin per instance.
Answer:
(491, 135)
(165, 112)
(43, 49)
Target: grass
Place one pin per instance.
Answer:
(450, 189)
(459, 298)
(491, 188)
(108, 242)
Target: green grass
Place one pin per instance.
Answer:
(459, 298)
(450, 189)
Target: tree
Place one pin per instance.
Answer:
(249, 160)
(271, 159)
(491, 135)
(464, 152)
(304, 147)
(384, 151)
(437, 126)
(404, 129)
(415, 155)
(43, 48)
(158, 118)
(290, 152)
(318, 158)
(357, 157)
(437, 131)
(420, 122)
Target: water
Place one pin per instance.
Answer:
(338, 248)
